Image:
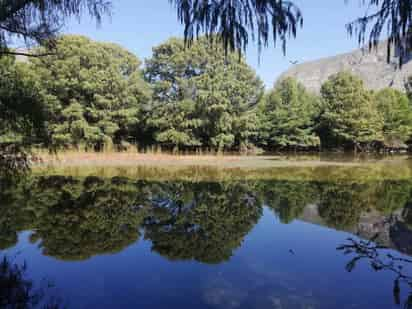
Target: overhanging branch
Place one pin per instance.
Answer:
(2, 53)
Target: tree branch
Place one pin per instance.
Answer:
(25, 54)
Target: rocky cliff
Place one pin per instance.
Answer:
(370, 66)
(391, 229)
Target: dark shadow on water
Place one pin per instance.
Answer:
(18, 291)
(380, 259)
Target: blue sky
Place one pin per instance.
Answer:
(140, 25)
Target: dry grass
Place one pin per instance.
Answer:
(134, 159)
(207, 167)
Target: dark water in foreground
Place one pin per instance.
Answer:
(90, 242)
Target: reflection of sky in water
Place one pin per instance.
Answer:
(277, 266)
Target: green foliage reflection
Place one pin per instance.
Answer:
(78, 218)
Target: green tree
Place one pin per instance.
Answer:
(21, 103)
(22, 114)
(95, 93)
(202, 97)
(287, 117)
(349, 115)
(395, 109)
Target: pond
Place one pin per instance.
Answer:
(303, 237)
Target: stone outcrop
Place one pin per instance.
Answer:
(371, 66)
(391, 230)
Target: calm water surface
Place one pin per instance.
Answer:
(76, 241)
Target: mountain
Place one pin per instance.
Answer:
(392, 231)
(371, 66)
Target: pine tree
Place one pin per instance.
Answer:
(95, 93)
(397, 116)
(350, 117)
(202, 97)
(287, 117)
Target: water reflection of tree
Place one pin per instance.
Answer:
(380, 259)
(204, 222)
(17, 291)
(341, 205)
(391, 195)
(288, 198)
(73, 218)
(14, 216)
(76, 218)
(87, 218)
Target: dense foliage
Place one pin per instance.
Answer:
(21, 103)
(22, 115)
(202, 97)
(96, 96)
(287, 117)
(395, 108)
(349, 115)
(345, 116)
(94, 93)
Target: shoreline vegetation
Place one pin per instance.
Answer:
(130, 158)
(208, 167)
(96, 96)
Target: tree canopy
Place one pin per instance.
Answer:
(22, 115)
(201, 98)
(39, 21)
(96, 96)
(349, 116)
(94, 93)
(287, 117)
(395, 109)
(21, 103)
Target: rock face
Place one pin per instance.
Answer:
(370, 66)
(391, 229)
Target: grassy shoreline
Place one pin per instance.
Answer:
(224, 167)
(78, 158)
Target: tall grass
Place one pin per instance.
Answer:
(134, 149)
